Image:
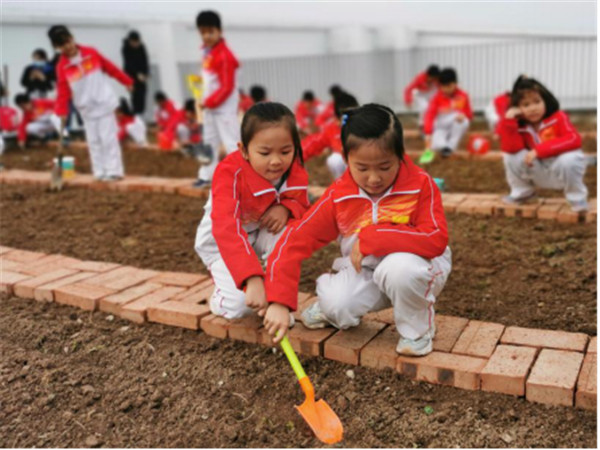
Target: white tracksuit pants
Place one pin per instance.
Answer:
(136, 130)
(219, 128)
(104, 147)
(227, 300)
(563, 172)
(447, 132)
(336, 164)
(410, 282)
(43, 126)
(421, 101)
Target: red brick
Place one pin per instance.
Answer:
(46, 292)
(592, 345)
(80, 180)
(26, 288)
(23, 256)
(346, 345)
(4, 249)
(171, 186)
(245, 329)
(11, 266)
(214, 326)
(81, 295)
(507, 370)
(200, 296)
(136, 310)
(9, 279)
(179, 278)
(384, 316)
(140, 184)
(553, 377)
(528, 210)
(549, 211)
(102, 279)
(478, 339)
(485, 207)
(531, 337)
(380, 353)
(178, 314)
(467, 206)
(112, 303)
(447, 331)
(189, 191)
(131, 279)
(48, 264)
(306, 341)
(93, 266)
(592, 211)
(443, 368)
(195, 290)
(567, 215)
(587, 391)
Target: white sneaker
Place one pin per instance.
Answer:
(416, 347)
(313, 318)
(580, 206)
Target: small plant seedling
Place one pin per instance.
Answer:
(428, 410)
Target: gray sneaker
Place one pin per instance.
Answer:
(313, 318)
(416, 347)
(579, 206)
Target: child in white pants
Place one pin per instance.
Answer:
(388, 217)
(256, 191)
(448, 130)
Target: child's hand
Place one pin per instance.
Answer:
(255, 293)
(277, 321)
(275, 218)
(356, 256)
(530, 157)
(513, 112)
(460, 117)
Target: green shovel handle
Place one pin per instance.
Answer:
(292, 358)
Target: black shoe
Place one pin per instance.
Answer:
(200, 183)
(445, 152)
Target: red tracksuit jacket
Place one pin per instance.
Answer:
(408, 218)
(441, 104)
(218, 71)
(328, 137)
(419, 82)
(164, 114)
(305, 115)
(179, 117)
(40, 106)
(241, 196)
(327, 115)
(555, 135)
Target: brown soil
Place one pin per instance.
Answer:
(509, 270)
(70, 378)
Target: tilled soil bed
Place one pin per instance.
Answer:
(510, 270)
(70, 378)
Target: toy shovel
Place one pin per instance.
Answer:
(427, 156)
(320, 417)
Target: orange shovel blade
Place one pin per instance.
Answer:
(322, 420)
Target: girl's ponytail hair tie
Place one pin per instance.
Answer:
(344, 119)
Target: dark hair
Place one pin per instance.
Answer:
(448, 75)
(266, 113)
(190, 105)
(335, 89)
(258, 93)
(21, 98)
(524, 84)
(343, 102)
(59, 35)
(308, 96)
(160, 96)
(124, 108)
(375, 123)
(40, 53)
(208, 19)
(134, 36)
(433, 71)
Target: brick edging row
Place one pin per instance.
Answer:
(482, 204)
(546, 366)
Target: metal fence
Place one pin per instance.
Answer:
(567, 66)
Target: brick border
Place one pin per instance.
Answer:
(546, 366)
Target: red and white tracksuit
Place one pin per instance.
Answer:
(164, 114)
(306, 115)
(221, 99)
(84, 78)
(229, 240)
(440, 119)
(134, 128)
(39, 121)
(560, 162)
(328, 137)
(496, 109)
(420, 92)
(326, 115)
(404, 239)
(187, 131)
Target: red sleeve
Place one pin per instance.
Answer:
(301, 115)
(114, 71)
(416, 82)
(226, 76)
(468, 110)
(511, 140)
(427, 236)
(232, 239)
(296, 201)
(63, 92)
(22, 128)
(300, 240)
(568, 140)
(314, 145)
(430, 115)
(122, 134)
(174, 120)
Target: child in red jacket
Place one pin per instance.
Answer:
(220, 96)
(541, 147)
(447, 116)
(184, 124)
(256, 191)
(165, 110)
(82, 75)
(130, 125)
(388, 216)
(38, 118)
(329, 137)
(421, 90)
(307, 111)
